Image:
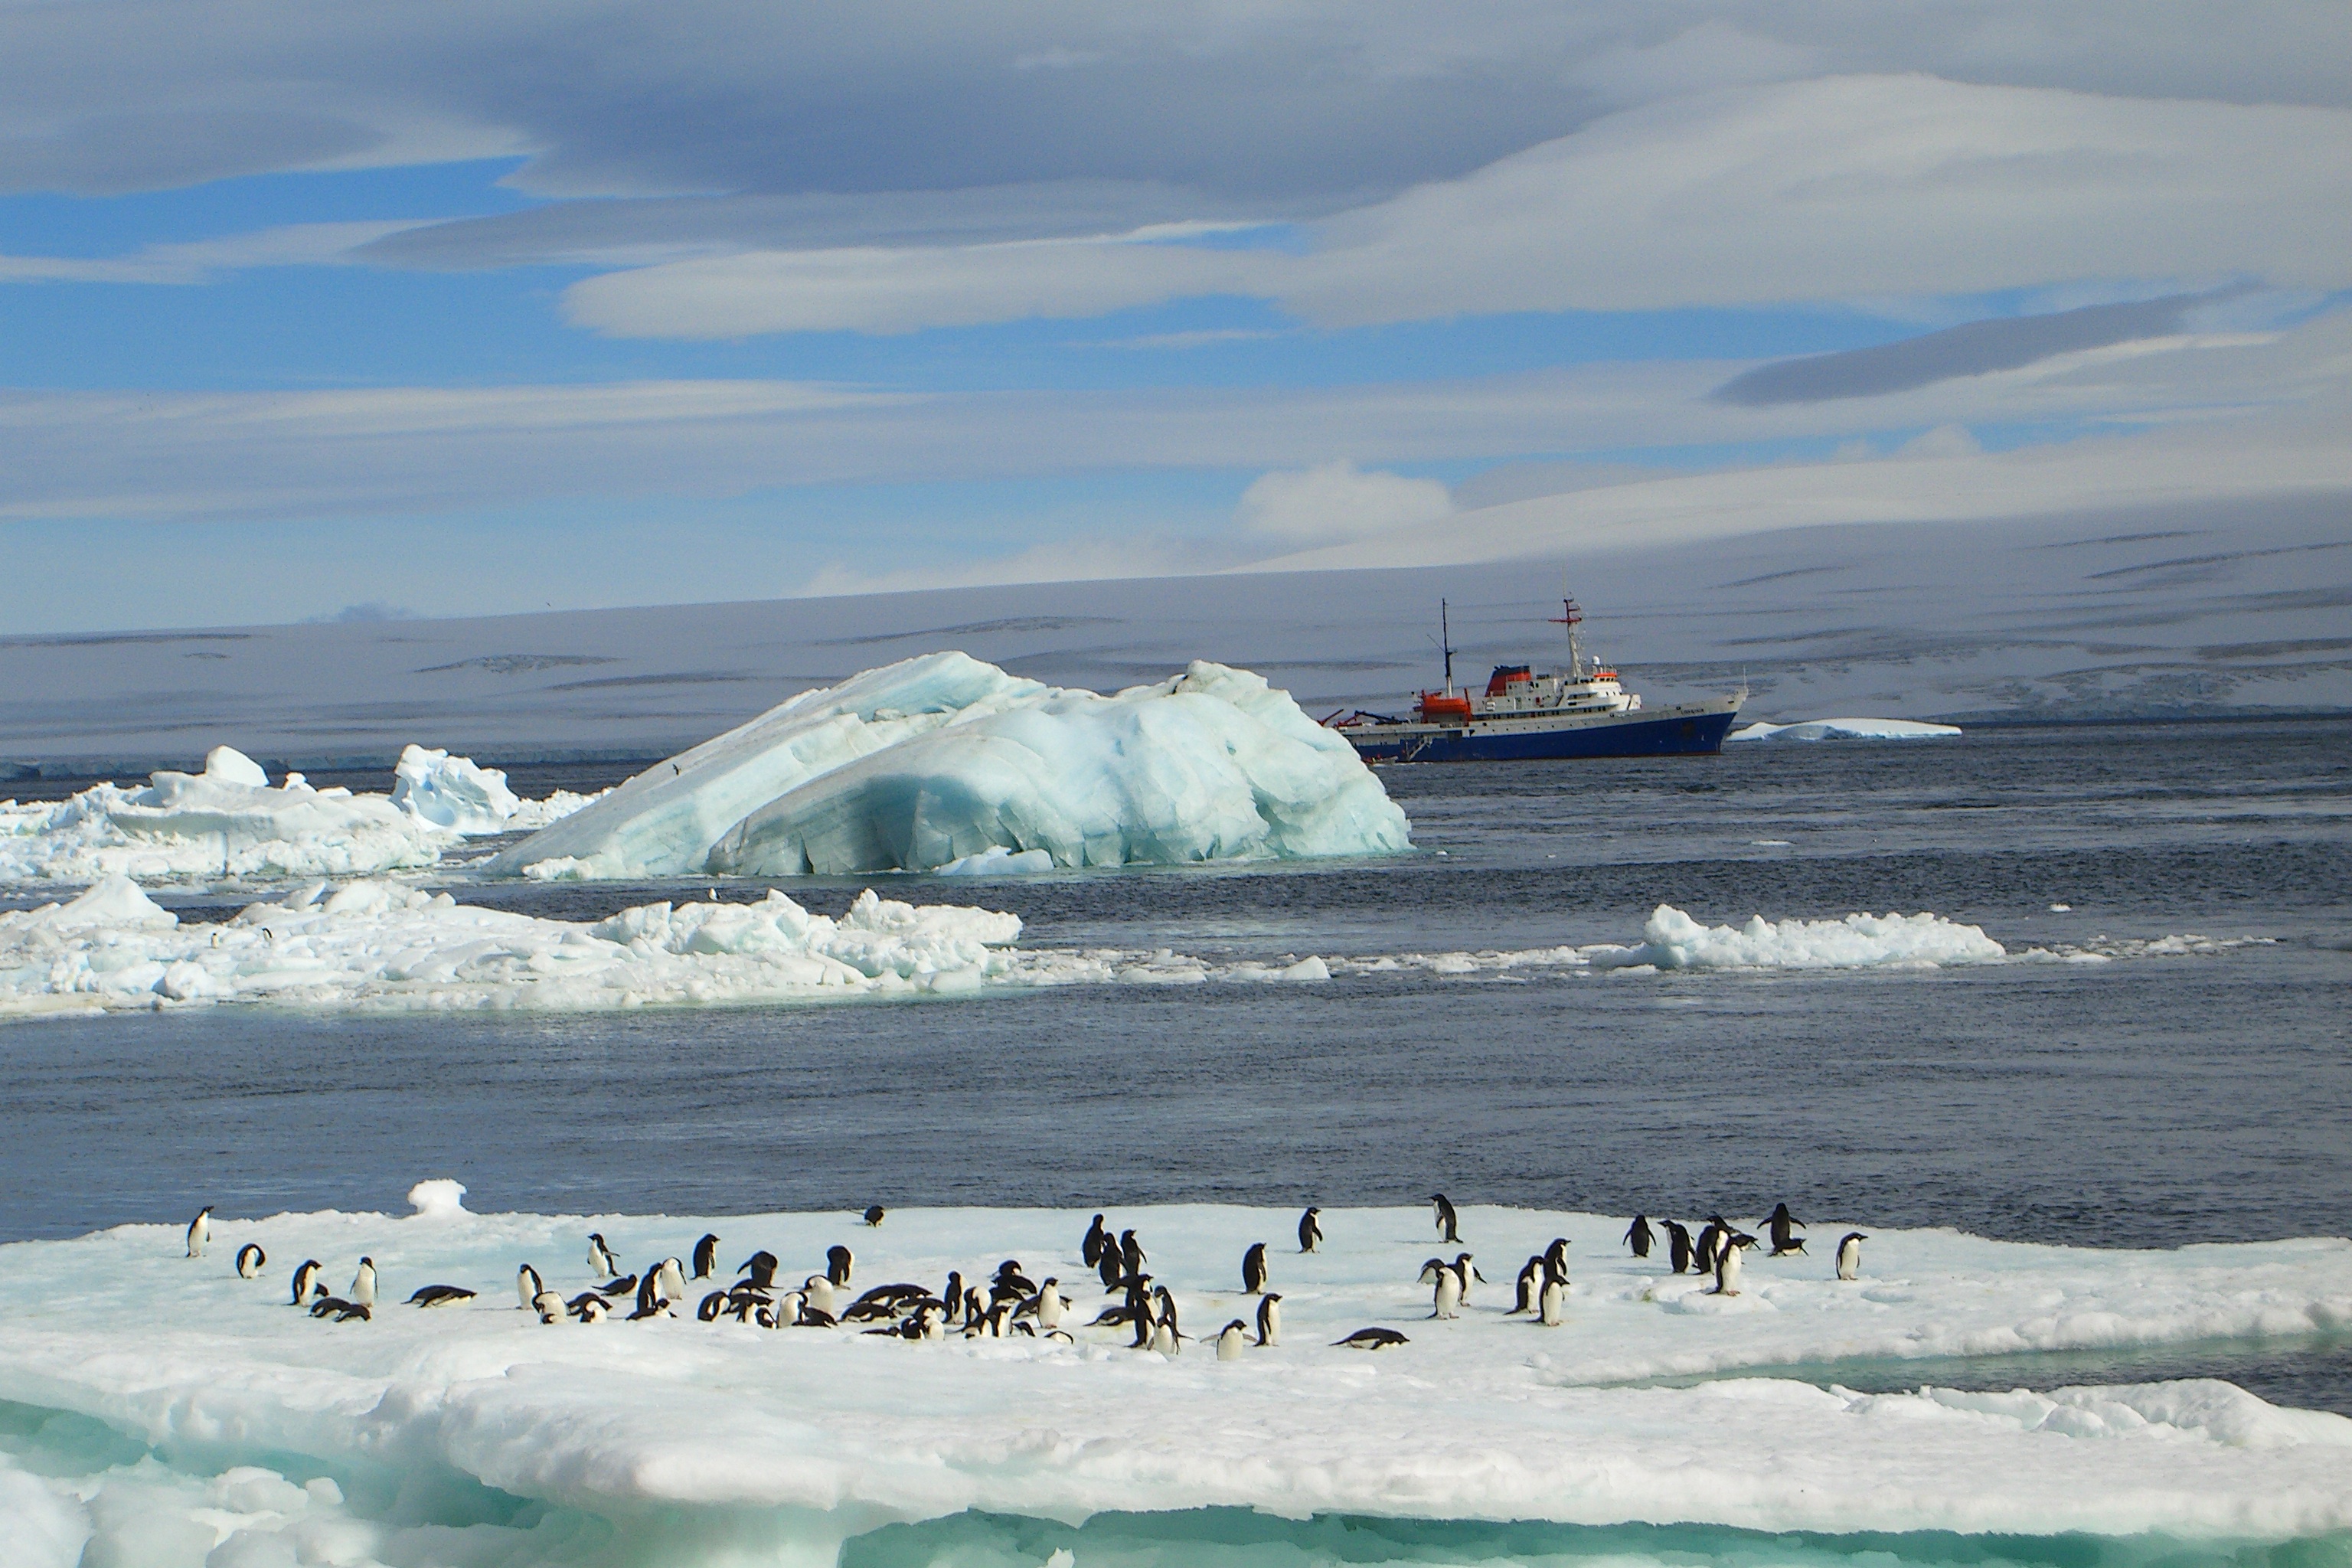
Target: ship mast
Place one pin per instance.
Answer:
(1570, 617)
(1445, 645)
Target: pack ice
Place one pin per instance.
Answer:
(942, 758)
(1847, 729)
(230, 822)
(252, 1433)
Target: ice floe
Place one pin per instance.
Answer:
(691, 1441)
(1672, 939)
(229, 823)
(936, 761)
(1845, 730)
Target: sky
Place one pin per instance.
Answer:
(314, 311)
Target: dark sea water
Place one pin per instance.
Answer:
(2148, 1101)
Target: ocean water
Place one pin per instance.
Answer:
(2138, 1092)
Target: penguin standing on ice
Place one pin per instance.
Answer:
(249, 1259)
(1637, 1236)
(1048, 1305)
(670, 1280)
(1131, 1256)
(1110, 1266)
(305, 1282)
(1531, 1276)
(1678, 1246)
(1849, 1254)
(761, 1265)
(600, 1257)
(1782, 1242)
(1449, 1227)
(1446, 1300)
(1726, 1262)
(837, 1263)
(200, 1230)
(874, 1212)
(528, 1285)
(1269, 1321)
(1233, 1339)
(1310, 1230)
(363, 1283)
(1551, 1309)
(548, 1306)
(1254, 1269)
(1556, 1256)
(706, 1257)
(1097, 1239)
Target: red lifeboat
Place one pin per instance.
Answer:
(1438, 708)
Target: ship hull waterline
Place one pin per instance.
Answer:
(1694, 731)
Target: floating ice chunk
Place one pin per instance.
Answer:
(452, 792)
(939, 758)
(438, 1198)
(1845, 730)
(1671, 940)
(116, 904)
(996, 860)
(230, 765)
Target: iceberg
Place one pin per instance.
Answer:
(165, 1399)
(229, 822)
(939, 760)
(1845, 730)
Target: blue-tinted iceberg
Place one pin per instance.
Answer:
(943, 758)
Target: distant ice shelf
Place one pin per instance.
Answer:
(1845, 730)
(240, 1431)
(942, 761)
(230, 823)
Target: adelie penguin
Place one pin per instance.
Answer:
(1130, 1252)
(671, 1279)
(249, 1259)
(1097, 1240)
(1849, 1254)
(1449, 1226)
(305, 1282)
(200, 1230)
(1778, 1226)
(837, 1263)
(1531, 1277)
(1269, 1321)
(528, 1285)
(1726, 1262)
(1638, 1237)
(1556, 1256)
(440, 1296)
(1233, 1339)
(1310, 1231)
(600, 1257)
(706, 1257)
(548, 1306)
(1678, 1246)
(1047, 1305)
(1254, 1269)
(874, 1212)
(1446, 1299)
(761, 1265)
(1710, 1237)
(1371, 1340)
(1551, 1304)
(363, 1283)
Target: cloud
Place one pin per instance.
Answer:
(1338, 501)
(201, 261)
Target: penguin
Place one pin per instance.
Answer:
(1849, 1254)
(1710, 1237)
(837, 1264)
(706, 1257)
(328, 1306)
(1463, 1273)
(1110, 1265)
(363, 1283)
(550, 1307)
(528, 1285)
(627, 1285)
(1233, 1339)
(589, 1307)
(1530, 1281)
(1551, 1307)
(1678, 1246)
(1145, 1327)
(600, 1257)
(249, 1259)
(1048, 1305)
(343, 1311)
(1097, 1239)
(306, 1281)
(817, 1290)
(953, 1295)
(1269, 1321)
(874, 1212)
(651, 1302)
(973, 1306)
(1254, 1269)
(761, 1265)
(671, 1278)
(1310, 1230)
(1011, 1281)
(440, 1296)
(200, 1230)
(1447, 1301)
(1448, 1227)
(1556, 1256)
(1727, 1263)
(933, 1321)
(1130, 1252)
(1637, 1236)
(1165, 1339)
(1371, 1340)
(712, 1305)
(1782, 1242)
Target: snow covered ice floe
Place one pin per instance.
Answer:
(1672, 939)
(938, 760)
(229, 822)
(706, 1436)
(1847, 729)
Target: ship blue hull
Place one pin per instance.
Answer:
(1667, 735)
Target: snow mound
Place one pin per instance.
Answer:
(1845, 730)
(940, 758)
(229, 823)
(378, 945)
(1672, 939)
(698, 1443)
(438, 1198)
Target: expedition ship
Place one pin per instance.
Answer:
(1582, 712)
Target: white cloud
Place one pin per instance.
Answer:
(1338, 501)
(1942, 441)
(199, 261)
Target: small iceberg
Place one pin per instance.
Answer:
(939, 761)
(1845, 730)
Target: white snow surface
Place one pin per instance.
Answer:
(688, 1428)
(940, 758)
(230, 823)
(379, 946)
(1845, 730)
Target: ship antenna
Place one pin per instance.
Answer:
(1569, 616)
(1445, 645)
